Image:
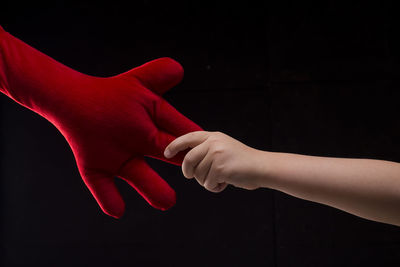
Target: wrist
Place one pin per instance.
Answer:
(263, 169)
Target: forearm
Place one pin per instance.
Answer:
(363, 187)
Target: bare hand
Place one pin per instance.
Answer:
(216, 160)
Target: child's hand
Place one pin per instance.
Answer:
(216, 160)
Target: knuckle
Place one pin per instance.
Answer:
(219, 135)
(214, 136)
(217, 149)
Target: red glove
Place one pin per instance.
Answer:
(110, 123)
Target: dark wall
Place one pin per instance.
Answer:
(319, 79)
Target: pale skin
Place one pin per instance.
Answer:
(364, 187)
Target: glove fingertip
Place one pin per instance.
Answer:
(116, 211)
(168, 201)
(172, 72)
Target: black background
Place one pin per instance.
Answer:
(319, 79)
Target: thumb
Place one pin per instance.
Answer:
(158, 75)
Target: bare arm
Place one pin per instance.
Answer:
(364, 187)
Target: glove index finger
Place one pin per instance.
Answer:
(183, 142)
(168, 119)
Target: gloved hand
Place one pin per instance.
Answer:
(110, 123)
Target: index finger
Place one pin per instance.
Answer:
(183, 142)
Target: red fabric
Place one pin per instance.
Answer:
(110, 123)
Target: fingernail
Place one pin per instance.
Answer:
(167, 153)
